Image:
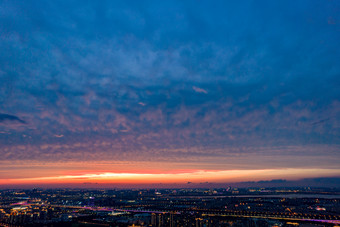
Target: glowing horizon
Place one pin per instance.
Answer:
(194, 176)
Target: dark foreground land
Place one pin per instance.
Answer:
(171, 207)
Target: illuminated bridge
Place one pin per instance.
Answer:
(291, 216)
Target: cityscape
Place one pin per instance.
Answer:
(171, 207)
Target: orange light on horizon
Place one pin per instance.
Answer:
(195, 176)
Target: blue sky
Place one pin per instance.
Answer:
(238, 84)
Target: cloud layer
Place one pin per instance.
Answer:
(170, 81)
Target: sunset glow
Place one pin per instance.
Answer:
(193, 176)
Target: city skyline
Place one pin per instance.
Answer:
(168, 92)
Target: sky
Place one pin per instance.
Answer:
(168, 91)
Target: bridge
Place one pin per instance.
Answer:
(291, 216)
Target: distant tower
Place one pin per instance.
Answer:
(172, 224)
(160, 220)
(199, 222)
(153, 220)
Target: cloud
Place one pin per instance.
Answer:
(320, 121)
(199, 90)
(8, 117)
(307, 182)
(274, 181)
